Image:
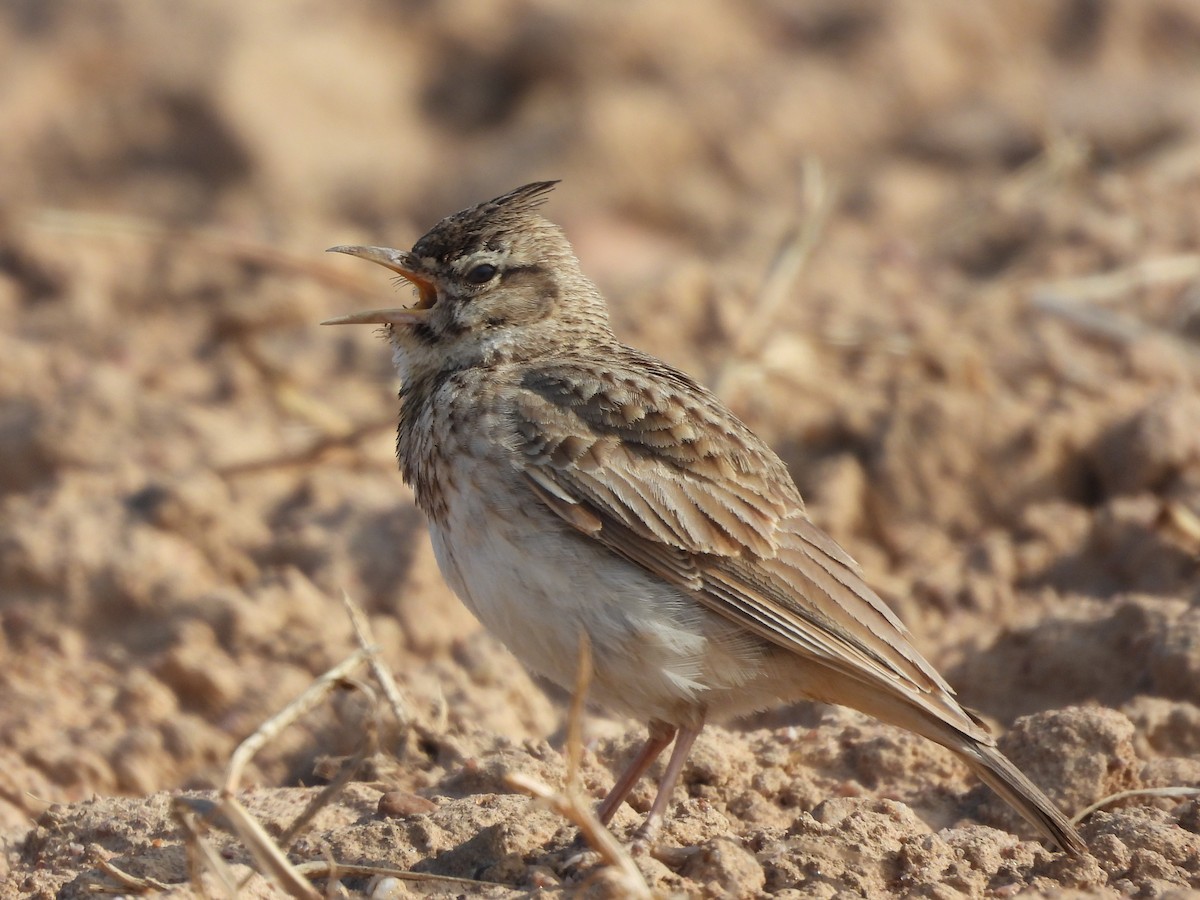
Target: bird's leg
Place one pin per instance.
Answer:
(679, 754)
(660, 735)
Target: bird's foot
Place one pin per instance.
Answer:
(578, 861)
(643, 839)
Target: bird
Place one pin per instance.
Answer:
(574, 485)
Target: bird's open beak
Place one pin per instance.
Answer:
(402, 263)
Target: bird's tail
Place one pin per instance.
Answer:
(940, 718)
(998, 773)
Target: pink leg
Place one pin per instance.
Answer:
(679, 754)
(660, 735)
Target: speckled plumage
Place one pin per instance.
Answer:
(574, 484)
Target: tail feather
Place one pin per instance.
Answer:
(998, 773)
(967, 736)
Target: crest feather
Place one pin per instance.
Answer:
(476, 225)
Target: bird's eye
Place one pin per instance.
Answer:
(482, 273)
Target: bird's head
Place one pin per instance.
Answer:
(494, 278)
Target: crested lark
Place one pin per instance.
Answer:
(574, 484)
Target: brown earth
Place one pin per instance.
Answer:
(984, 379)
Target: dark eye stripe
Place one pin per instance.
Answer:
(531, 269)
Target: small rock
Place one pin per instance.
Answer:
(399, 804)
(726, 869)
(1146, 451)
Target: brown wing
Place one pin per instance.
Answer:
(662, 474)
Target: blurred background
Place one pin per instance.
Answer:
(943, 256)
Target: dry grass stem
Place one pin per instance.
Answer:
(334, 430)
(136, 884)
(784, 271)
(1077, 300)
(267, 853)
(368, 743)
(289, 399)
(366, 642)
(432, 731)
(312, 453)
(583, 680)
(1102, 324)
(270, 729)
(1113, 285)
(1183, 519)
(1063, 156)
(1140, 792)
(441, 712)
(326, 869)
(201, 855)
(231, 815)
(570, 803)
(578, 812)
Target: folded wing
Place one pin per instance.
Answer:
(664, 476)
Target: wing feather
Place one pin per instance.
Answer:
(715, 514)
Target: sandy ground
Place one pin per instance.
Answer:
(984, 378)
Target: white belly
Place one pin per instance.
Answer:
(537, 585)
